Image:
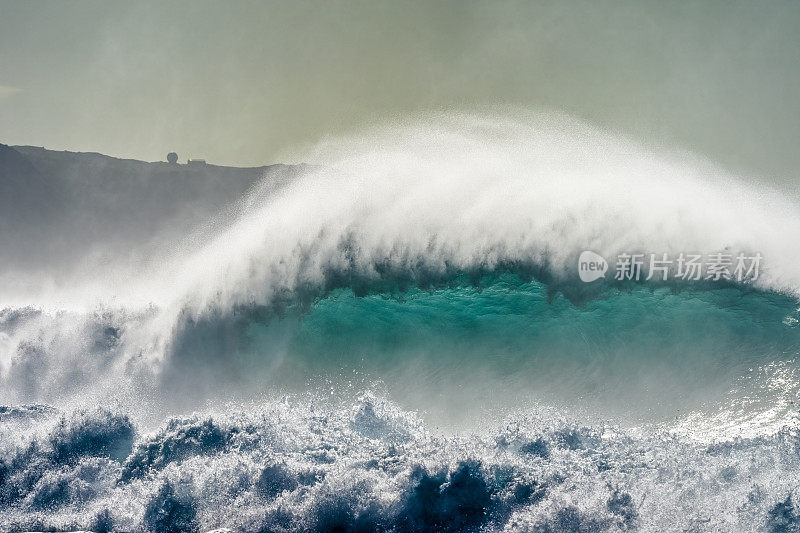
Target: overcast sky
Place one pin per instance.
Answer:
(249, 83)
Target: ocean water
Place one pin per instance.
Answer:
(398, 339)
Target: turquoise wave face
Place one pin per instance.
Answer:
(503, 340)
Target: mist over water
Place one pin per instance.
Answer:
(439, 253)
(418, 283)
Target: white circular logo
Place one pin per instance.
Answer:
(591, 266)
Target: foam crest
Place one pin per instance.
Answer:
(459, 194)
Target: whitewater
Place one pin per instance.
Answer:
(397, 339)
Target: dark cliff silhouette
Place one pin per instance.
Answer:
(57, 206)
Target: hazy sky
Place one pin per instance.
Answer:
(249, 82)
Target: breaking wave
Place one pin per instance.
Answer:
(433, 264)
